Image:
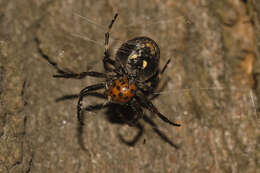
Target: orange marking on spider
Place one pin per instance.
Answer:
(121, 91)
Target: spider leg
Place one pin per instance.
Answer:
(156, 130)
(64, 74)
(154, 80)
(159, 72)
(97, 106)
(83, 93)
(160, 75)
(80, 75)
(165, 66)
(107, 60)
(74, 96)
(149, 105)
(157, 93)
(80, 128)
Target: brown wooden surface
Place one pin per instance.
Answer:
(211, 86)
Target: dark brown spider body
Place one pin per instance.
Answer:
(140, 56)
(128, 78)
(121, 91)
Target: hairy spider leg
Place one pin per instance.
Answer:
(107, 58)
(97, 106)
(149, 105)
(156, 130)
(80, 75)
(64, 74)
(73, 96)
(165, 66)
(83, 93)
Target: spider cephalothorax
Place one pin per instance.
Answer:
(127, 79)
(121, 91)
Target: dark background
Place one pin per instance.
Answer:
(211, 86)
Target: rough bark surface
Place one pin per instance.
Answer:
(211, 86)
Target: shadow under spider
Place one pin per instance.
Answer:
(119, 114)
(123, 114)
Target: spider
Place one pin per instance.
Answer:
(129, 79)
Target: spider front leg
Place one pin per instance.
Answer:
(107, 60)
(64, 74)
(149, 105)
(83, 93)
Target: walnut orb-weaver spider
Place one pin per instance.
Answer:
(127, 78)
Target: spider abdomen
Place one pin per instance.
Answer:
(140, 56)
(121, 91)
